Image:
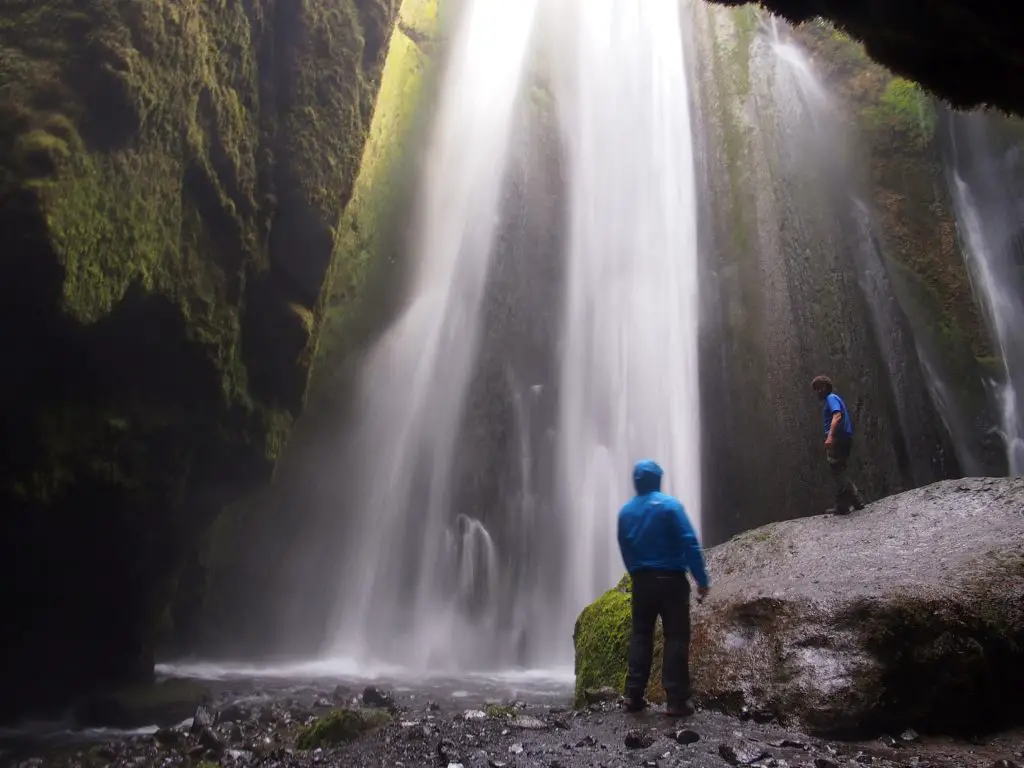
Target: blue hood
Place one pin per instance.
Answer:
(647, 477)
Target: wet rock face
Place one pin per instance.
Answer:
(910, 613)
(156, 306)
(934, 44)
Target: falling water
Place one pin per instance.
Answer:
(987, 187)
(395, 601)
(629, 351)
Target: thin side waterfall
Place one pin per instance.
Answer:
(986, 183)
(395, 601)
(629, 379)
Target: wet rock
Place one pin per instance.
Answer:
(910, 736)
(889, 741)
(637, 738)
(527, 722)
(1005, 764)
(600, 695)
(586, 741)
(825, 762)
(342, 694)
(686, 736)
(164, 703)
(202, 718)
(926, 634)
(740, 754)
(169, 737)
(516, 749)
(209, 741)
(787, 744)
(377, 699)
(447, 752)
(234, 713)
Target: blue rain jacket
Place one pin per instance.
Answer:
(654, 531)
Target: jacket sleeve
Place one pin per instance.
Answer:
(621, 537)
(692, 551)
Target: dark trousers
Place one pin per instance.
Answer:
(665, 594)
(847, 493)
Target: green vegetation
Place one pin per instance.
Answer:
(500, 711)
(172, 176)
(601, 639)
(340, 727)
(905, 108)
(365, 235)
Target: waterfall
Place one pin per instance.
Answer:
(986, 183)
(392, 598)
(629, 374)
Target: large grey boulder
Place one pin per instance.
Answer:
(910, 613)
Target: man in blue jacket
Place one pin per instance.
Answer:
(659, 546)
(838, 444)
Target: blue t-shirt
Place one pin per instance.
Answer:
(834, 404)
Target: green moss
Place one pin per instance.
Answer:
(906, 108)
(366, 233)
(601, 639)
(500, 711)
(340, 727)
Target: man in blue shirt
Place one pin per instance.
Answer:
(659, 546)
(838, 444)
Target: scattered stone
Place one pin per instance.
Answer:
(1005, 763)
(686, 736)
(890, 742)
(374, 698)
(447, 751)
(203, 718)
(787, 744)
(586, 741)
(863, 758)
(472, 714)
(529, 723)
(824, 762)
(433, 706)
(600, 695)
(516, 749)
(638, 739)
(910, 736)
(741, 754)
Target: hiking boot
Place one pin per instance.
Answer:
(679, 709)
(837, 510)
(858, 501)
(634, 704)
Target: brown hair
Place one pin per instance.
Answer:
(822, 382)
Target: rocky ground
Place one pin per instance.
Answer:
(407, 730)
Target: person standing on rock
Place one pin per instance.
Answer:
(838, 443)
(659, 546)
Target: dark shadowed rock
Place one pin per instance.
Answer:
(909, 613)
(686, 736)
(372, 697)
(637, 738)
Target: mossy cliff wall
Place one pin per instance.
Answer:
(786, 252)
(172, 177)
(933, 43)
(232, 601)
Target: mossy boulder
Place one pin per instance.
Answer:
(910, 613)
(172, 174)
(340, 727)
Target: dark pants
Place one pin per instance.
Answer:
(665, 594)
(847, 494)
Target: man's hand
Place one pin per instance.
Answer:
(829, 442)
(702, 592)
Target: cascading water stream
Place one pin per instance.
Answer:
(629, 383)
(393, 603)
(987, 187)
